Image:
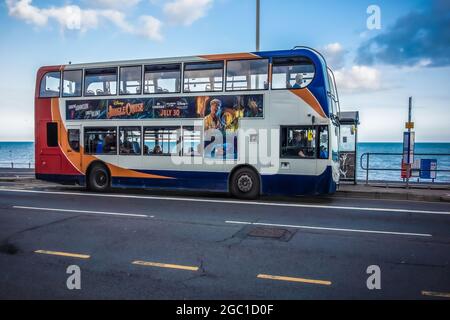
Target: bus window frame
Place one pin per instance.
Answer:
(248, 59)
(287, 57)
(60, 85)
(180, 64)
(204, 62)
(82, 84)
(120, 79)
(101, 95)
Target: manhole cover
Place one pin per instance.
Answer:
(262, 232)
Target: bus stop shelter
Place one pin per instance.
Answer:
(348, 145)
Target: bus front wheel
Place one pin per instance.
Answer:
(245, 184)
(99, 179)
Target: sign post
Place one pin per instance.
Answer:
(408, 147)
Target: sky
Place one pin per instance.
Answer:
(381, 55)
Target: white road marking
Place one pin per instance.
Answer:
(85, 211)
(258, 203)
(330, 229)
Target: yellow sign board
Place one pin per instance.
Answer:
(409, 125)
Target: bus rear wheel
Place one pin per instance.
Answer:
(244, 184)
(99, 179)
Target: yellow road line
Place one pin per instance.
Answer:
(64, 254)
(291, 279)
(436, 294)
(164, 265)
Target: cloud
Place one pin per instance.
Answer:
(186, 12)
(25, 11)
(334, 54)
(113, 4)
(418, 38)
(151, 28)
(72, 17)
(358, 78)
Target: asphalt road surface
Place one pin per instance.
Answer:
(157, 245)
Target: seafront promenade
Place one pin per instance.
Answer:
(148, 244)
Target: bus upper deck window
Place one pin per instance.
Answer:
(162, 78)
(50, 83)
(130, 80)
(72, 83)
(100, 82)
(247, 74)
(292, 72)
(203, 76)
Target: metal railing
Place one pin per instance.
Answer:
(365, 159)
(17, 165)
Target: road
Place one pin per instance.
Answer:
(161, 245)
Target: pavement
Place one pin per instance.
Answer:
(376, 190)
(141, 244)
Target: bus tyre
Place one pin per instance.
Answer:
(99, 179)
(245, 184)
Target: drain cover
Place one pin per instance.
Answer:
(275, 233)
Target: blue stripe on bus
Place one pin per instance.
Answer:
(278, 184)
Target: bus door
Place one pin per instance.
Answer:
(73, 149)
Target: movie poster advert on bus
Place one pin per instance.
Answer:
(227, 108)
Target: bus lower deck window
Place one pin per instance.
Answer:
(100, 140)
(298, 142)
(130, 140)
(161, 141)
(73, 136)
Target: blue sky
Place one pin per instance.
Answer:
(377, 70)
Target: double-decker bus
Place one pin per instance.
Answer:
(246, 123)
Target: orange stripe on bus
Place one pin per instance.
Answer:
(229, 56)
(309, 98)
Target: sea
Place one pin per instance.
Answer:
(22, 155)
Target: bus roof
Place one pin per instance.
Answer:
(210, 57)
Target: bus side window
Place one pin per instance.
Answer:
(298, 142)
(73, 136)
(324, 145)
(52, 134)
(203, 76)
(50, 85)
(130, 80)
(100, 82)
(100, 140)
(130, 140)
(163, 78)
(161, 141)
(247, 74)
(72, 83)
(292, 72)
